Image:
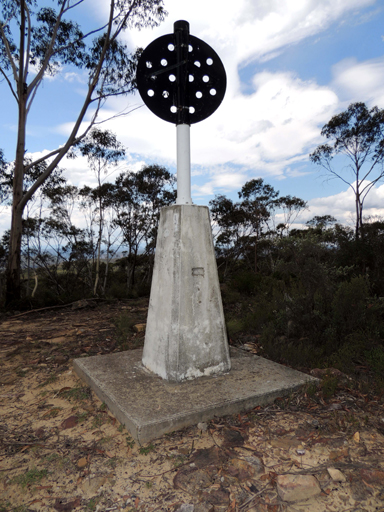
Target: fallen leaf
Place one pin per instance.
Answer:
(66, 507)
(81, 463)
(70, 422)
(356, 437)
(66, 388)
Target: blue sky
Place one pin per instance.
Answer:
(291, 65)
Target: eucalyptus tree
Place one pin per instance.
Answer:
(36, 37)
(357, 134)
(139, 198)
(241, 225)
(103, 152)
(259, 199)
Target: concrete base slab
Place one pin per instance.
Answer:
(150, 406)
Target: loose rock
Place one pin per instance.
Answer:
(297, 487)
(336, 475)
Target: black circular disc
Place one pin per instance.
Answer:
(203, 79)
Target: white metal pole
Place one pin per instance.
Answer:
(183, 164)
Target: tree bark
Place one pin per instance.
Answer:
(13, 286)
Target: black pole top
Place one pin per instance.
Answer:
(181, 25)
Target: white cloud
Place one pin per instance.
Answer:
(5, 219)
(357, 81)
(262, 133)
(252, 30)
(342, 205)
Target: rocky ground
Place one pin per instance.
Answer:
(319, 450)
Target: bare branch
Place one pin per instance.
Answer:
(48, 54)
(120, 114)
(29, 32)
(9, 54)
(73, 6)
(9, 83)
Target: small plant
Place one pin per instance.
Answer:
(51, 379)
(130, 441)
(98, 420)
(124, 329)
(145, 450)
(311, 389)
(103, 407)
(149, 485)
(52, 413)
(177, 460)
(92, 504)
(77, 394)
(52, 457)
(234, 326)
(329, 386)
(105, 440)
(121, 427)
(33, 476)
(112, 462)
(82, 416)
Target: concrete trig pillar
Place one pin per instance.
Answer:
(183, 81)
(186, 334)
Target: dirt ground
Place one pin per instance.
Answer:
(62, 450)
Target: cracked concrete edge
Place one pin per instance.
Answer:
(97, 387)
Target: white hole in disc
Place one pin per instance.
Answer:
(212, 92)
(209, 62)
(191, 78)
(148, 64)
(190, 48)
(199, 94)
(197, 63)
(172, 78)
(165, 94)
(192, 110)
(205, 78)
(171, 47)
(163, 62)
(151, 92)
(173, 109)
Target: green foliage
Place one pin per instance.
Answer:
(77, 394)
(234, 326)
(92, 503)
(31, 477)
(145, 450)
(329, 386)
(375, 357)
(124, 328)
(130, 442)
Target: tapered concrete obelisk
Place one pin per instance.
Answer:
(185, 335)
(182, 80)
